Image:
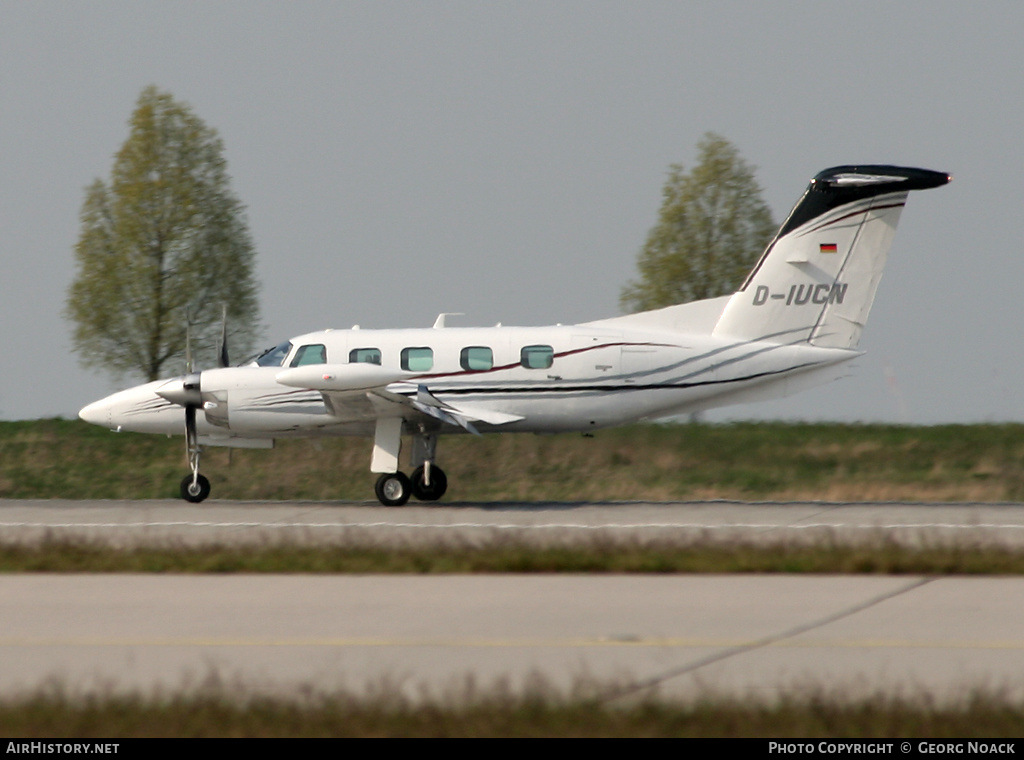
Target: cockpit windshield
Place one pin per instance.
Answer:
(274, 357)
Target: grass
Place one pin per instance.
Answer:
(470, 711)
(770, 461)
(878, 557)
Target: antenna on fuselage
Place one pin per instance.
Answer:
(439, 322)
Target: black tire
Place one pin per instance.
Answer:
(438, 483)
(393, 489)
(197, 493)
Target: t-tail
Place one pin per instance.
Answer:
(816, 281)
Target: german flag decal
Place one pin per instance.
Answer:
(827, 248)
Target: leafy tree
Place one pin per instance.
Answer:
(164, 243)
(711, 229)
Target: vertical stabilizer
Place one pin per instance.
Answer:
(816, 281)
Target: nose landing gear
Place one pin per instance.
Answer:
(194, 487)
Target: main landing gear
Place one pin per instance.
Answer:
(428, 483)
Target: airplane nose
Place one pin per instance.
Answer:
(97, 413)
(138, 409)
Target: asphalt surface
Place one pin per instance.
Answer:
(755, 636)
(130, 522)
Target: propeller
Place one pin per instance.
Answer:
(186, 391)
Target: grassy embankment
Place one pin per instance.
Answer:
(497, 713)
(69, 459)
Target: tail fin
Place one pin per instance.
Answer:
(817, 279)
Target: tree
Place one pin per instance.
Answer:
(164, 243)
(711, 229)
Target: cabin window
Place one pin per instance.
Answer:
(311, 354)
(537, 357)
(274, 357)
(418, 359)
(364, 356)
(476, 358)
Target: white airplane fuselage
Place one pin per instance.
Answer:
(794, 323)
(598, 377)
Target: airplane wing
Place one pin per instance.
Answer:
(362, 391)
(427, 403)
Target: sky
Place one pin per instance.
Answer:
(506, 160)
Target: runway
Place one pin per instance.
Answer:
(752, 635)
(134, 522)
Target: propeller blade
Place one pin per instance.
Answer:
(188, 342)
(190, 423)
(222, 355)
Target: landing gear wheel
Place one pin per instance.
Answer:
(195, 492)
(393, 489)
(438, 483)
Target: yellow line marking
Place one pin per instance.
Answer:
(625, 641)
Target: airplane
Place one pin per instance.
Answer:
(795, 322)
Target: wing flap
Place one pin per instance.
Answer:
(427, 403)
(361, 391)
